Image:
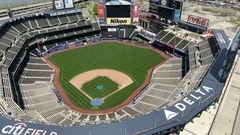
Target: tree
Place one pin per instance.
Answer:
(141, 1)
(95, 9)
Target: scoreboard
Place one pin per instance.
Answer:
(166, 9)
(117, 12)
(173, 4)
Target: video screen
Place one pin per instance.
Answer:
(165, 13)
(118, 11)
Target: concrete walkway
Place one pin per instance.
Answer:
(223, 121)
(225, 118)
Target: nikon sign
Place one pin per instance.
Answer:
(118, 20)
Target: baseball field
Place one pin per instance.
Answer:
(113, 56)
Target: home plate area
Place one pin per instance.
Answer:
(96, 102)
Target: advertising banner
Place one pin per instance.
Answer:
(118, 20)
(198, 20)
(136, 13)
(100, 11)
(69, 3)
(177, 14)
(112, 29)
(58, 4)
(220, 38)
(101, 21)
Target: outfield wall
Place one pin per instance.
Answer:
(78, 44)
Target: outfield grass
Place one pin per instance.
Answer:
(90, 87)
(133, 61)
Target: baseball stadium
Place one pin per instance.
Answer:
(123, 73)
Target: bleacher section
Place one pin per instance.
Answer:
(162, 87)
(146, 34)
(31, 74)
(201, 57)
(168, 83)
(169, 38)
(38, 96)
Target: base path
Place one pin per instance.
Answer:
(118, 77)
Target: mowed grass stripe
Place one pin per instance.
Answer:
(133, 61)
(108, 87)
(76, 97)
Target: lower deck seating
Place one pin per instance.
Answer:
(38, 96)
(35, 69)
(163, 83)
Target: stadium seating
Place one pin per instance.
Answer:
(31, 72)
(24, 68)
(169, 38)
(163, 83)
(168, 83)
(33, 94)
(199, 63)
(146, 34)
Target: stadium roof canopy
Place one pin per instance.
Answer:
(221, 37)
(193, 25)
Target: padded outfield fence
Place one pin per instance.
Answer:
(81, 43)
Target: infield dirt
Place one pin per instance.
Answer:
(120, 78)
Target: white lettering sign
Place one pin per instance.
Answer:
(187, 101)
(21, 129)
